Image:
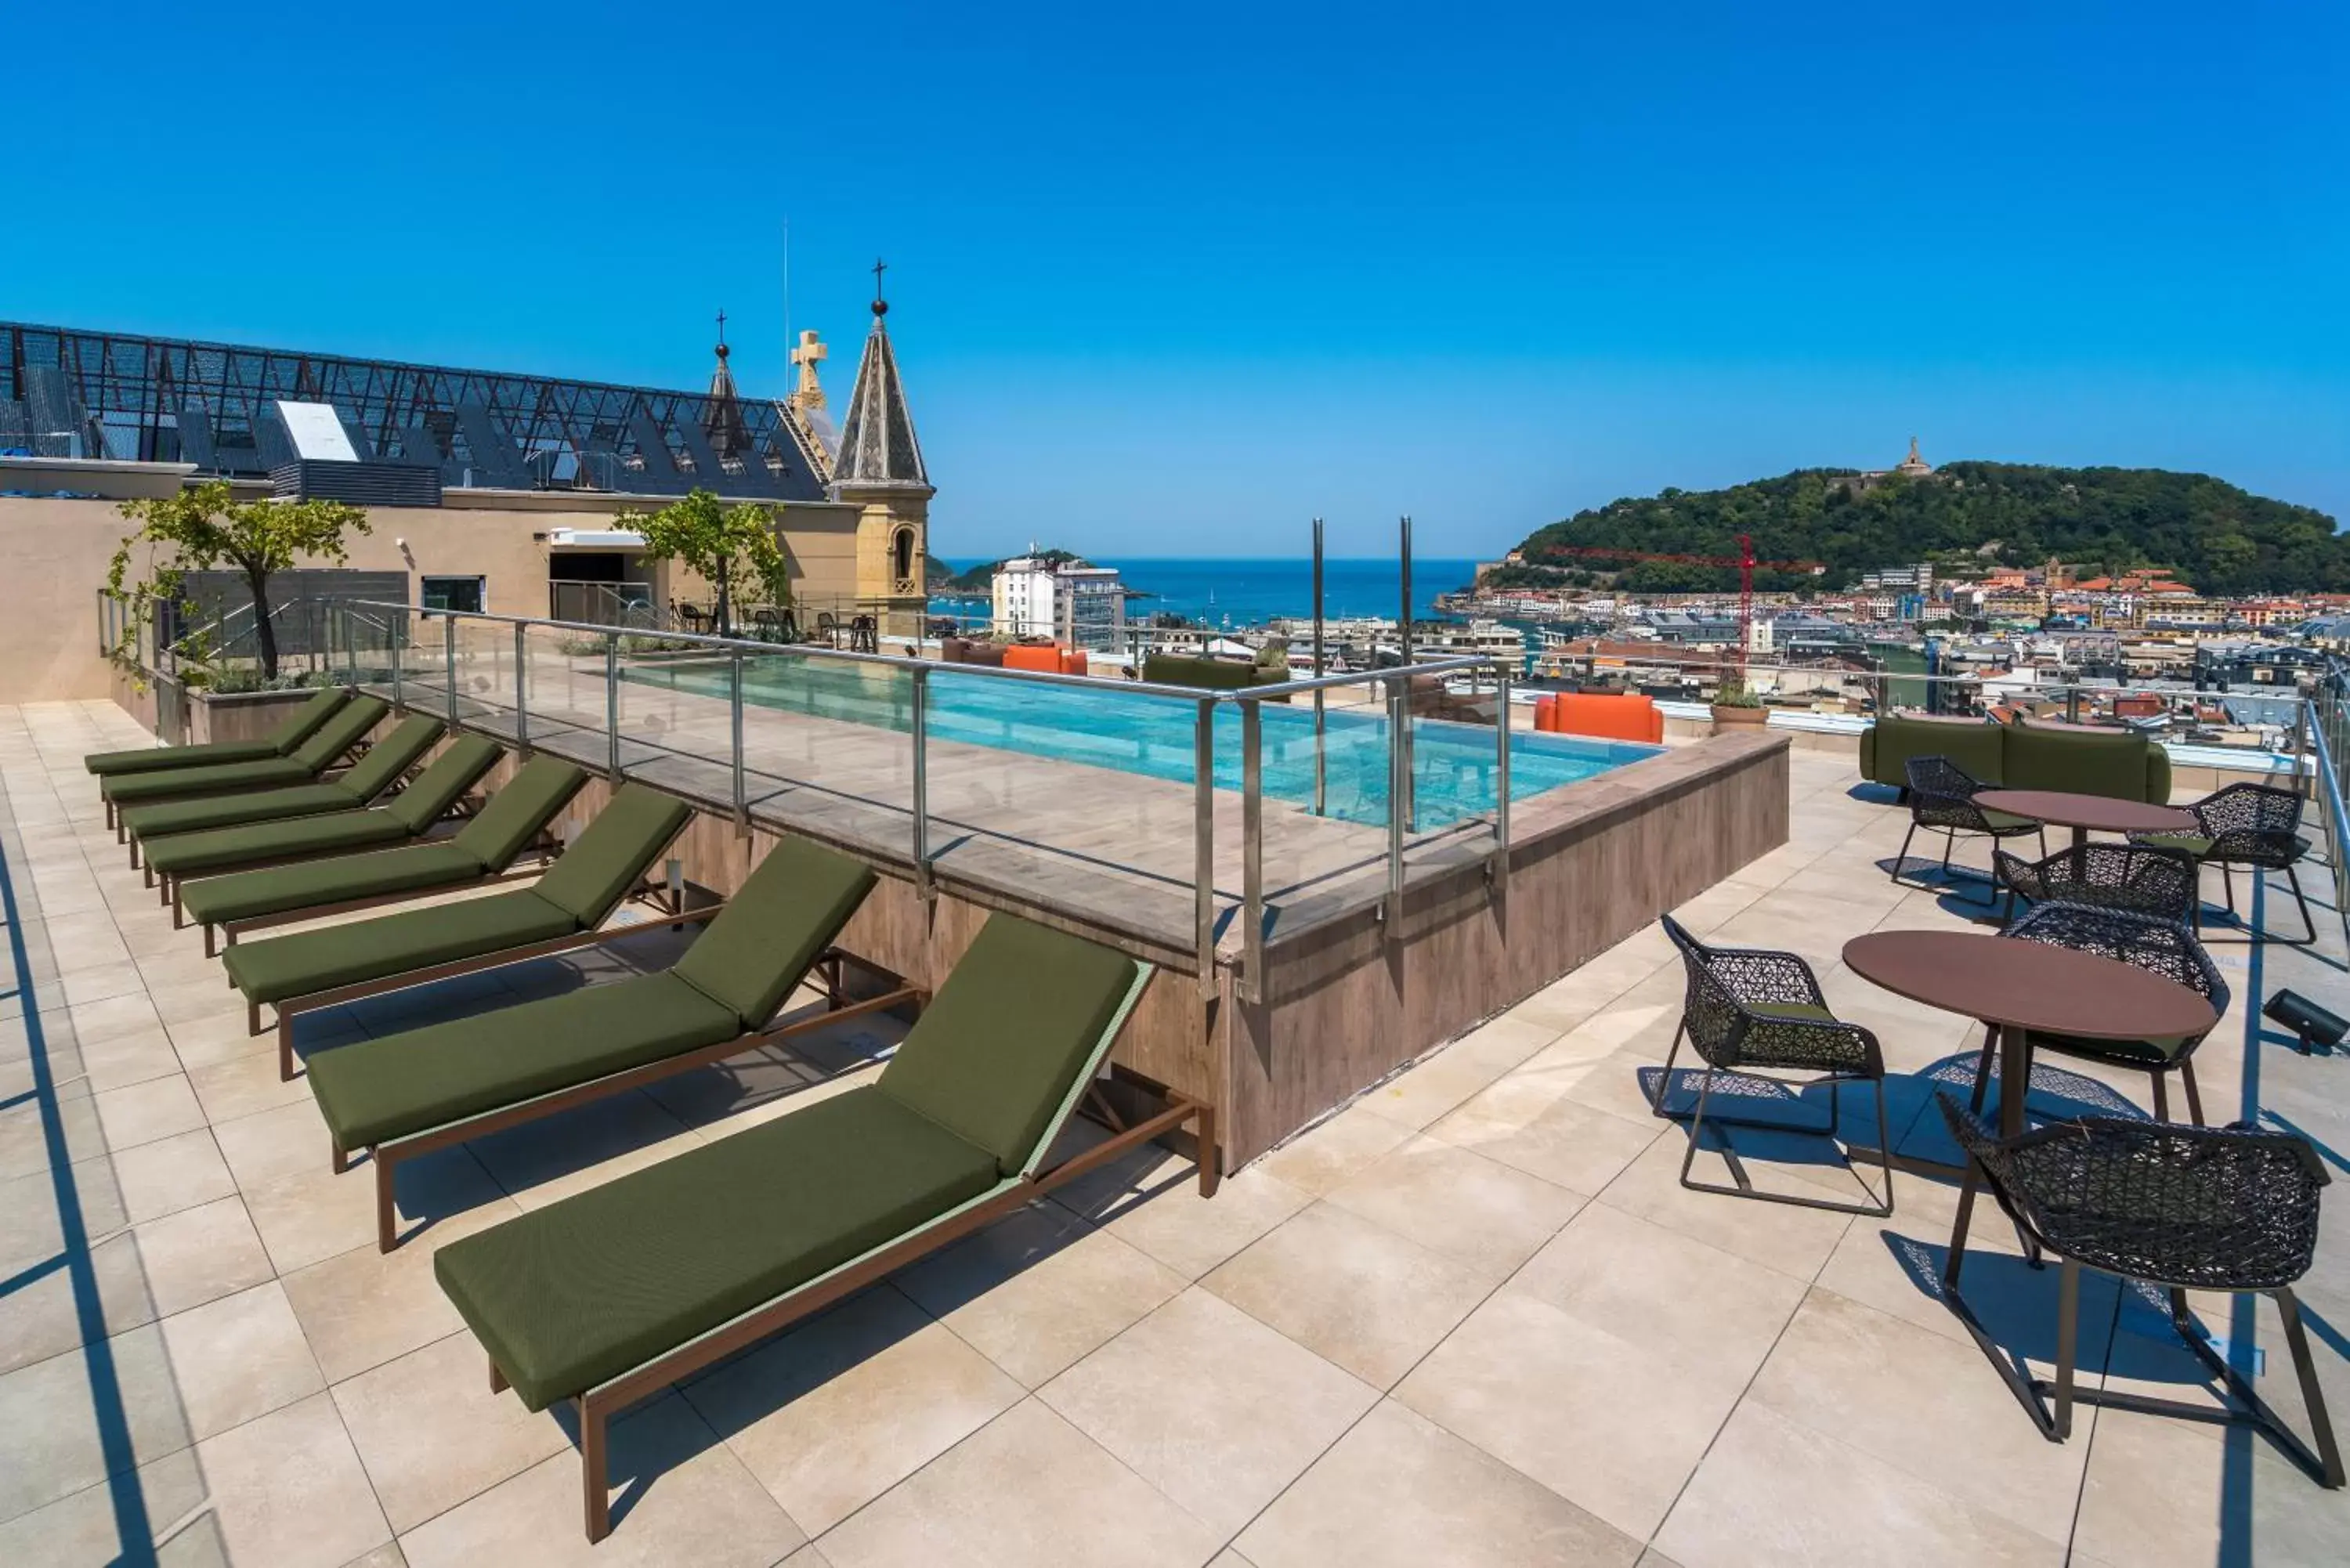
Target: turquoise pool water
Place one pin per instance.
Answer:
(1454, 774)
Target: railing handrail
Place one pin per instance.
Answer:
(909, 662)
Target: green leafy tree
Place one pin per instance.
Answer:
(205, 529)
(733, 548)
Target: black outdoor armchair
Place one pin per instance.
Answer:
(2254, 825)
(1942, 800)
(2230, 1209)
(2149, 942)
(2139, 878)
(1749, 1012)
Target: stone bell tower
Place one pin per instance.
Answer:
(879, 469)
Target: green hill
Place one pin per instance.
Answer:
(2221, 539)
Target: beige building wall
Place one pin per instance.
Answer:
(54, 556)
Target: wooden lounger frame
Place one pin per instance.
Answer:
(601, 1404)
(386, 1157)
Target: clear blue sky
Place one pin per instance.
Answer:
(1171, 280)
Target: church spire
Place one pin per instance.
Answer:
(877, 435)
(721, 414)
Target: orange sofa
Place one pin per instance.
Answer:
(1050, 657)
(1632, 716)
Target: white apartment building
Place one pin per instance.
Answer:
(1084, 607)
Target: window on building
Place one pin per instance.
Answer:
(462, 594)
(902, 551)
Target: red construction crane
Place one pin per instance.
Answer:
(1744, 561)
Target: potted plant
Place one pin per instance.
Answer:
(1735, 703)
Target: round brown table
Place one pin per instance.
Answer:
(2016, 987)
(2083, 813)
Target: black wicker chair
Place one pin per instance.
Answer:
(1942, 800)
(2158, 946)
(2249, 825)
(2184, 1209)
(1750, 1010)
(2136, 877)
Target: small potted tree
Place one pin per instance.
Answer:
(731, 548)
(1734, 701)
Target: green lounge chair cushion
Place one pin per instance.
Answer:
(571, 1295)
(604, 862)
(219, 779)
(165, 818)
(458, 768)
(280, 889)
(2146, 1053)
(368, 777)
(2082, 762)
(295, 728)
(344, 729)
(788, 911)
(995, 1054)
(450, 777)
(356, 950)
(520, 810)
(2001, 822)
(2184, 843)
(375, 1090)
(193, 853)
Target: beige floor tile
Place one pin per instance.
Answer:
(162, 1177)
(1772, 1491)
(1673, 1297)
(1442, 1079)
(1211, 1406)
(245, 1085)
(1478, 1212)
(1322, 1157)
(1796, 1242)
(123, 1060)
(838, 1411)
(1867, 1379)
(1399, 1491)
(1596, 1419)
(82, 987)
(141, 1113)
(128, 1013)
(1029, 1488)
(362, 1307)
(273, 1145)
(239, 1357)
(1039, 1291)
(316, 1214)
(1532, 1122)
(189, 1001)
(84, 942)
(1353, 1293)
(86, 1528)
(200, 1254)
(51, 1440)
(1152, 1201)
(679, 1497)
(219, 1037)
(431, 1433)
(288, 1489)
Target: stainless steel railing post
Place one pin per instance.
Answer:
(1252, 848)
(612, 705)
(521, 698)
(920, 724)
(399, 641)
(741, 795)
(449, 659)
(1398, 783)
(1501, 783)
(1203, 841)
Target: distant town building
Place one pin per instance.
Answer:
(1037, 597)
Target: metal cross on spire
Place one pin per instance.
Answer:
(880, 302)
(722, 332)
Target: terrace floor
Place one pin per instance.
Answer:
(1470, 1319)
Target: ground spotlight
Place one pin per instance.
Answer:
(2314, 1024)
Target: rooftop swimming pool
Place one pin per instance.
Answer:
(1134, 732)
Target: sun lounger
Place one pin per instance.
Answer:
(403, 1094)
(607, 1297)
(385, 765)
(410, 815)
(297, 727)
(344, 729)
(560, 911)
(484, 850)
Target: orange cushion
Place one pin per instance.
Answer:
(1047, 658)
(1074, 662)
(1633, 716)
(1546, 714)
